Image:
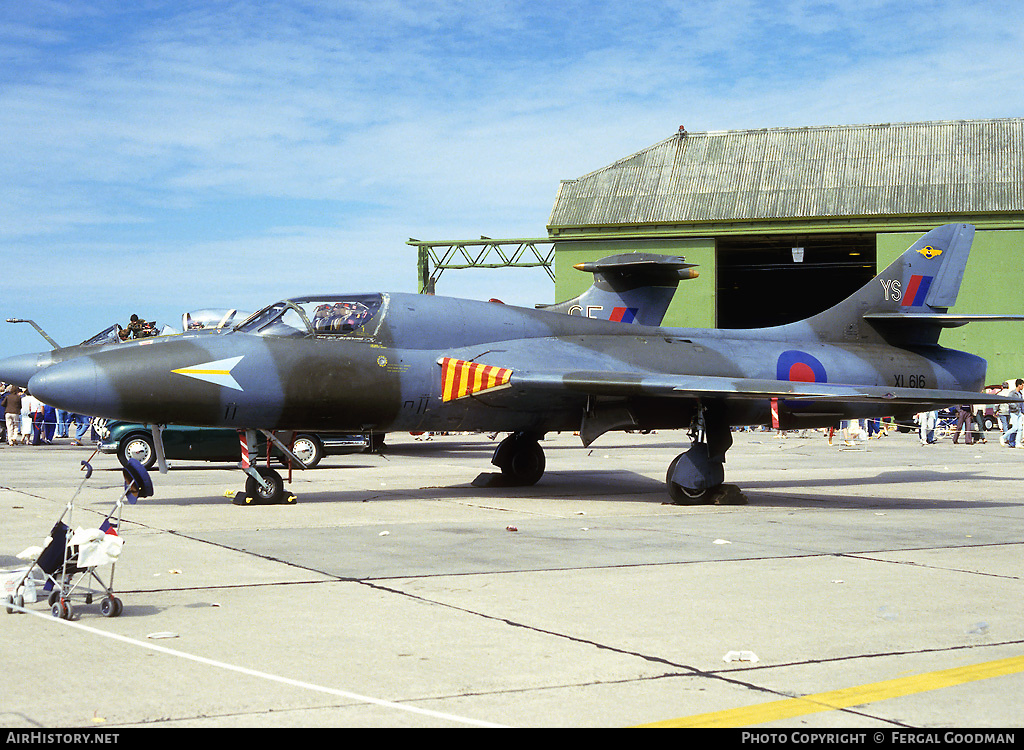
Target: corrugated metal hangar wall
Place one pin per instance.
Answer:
(853, 198)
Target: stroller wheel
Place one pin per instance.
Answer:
(111, 606)
(53, 597)
(62, 610)
(10, 601)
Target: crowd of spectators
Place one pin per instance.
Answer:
(28, 421)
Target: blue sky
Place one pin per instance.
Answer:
(160, 157)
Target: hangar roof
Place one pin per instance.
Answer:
(949, 167)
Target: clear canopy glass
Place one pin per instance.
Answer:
(348, 315)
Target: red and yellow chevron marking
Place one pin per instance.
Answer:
(460, 378)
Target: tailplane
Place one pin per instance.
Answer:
(629, 288)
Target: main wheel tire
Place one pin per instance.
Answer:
(139, 447)
(523, 464)
(262, 496)
(679, 494)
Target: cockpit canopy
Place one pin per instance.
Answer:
(353, 315)
(107, 336)
(211, 318)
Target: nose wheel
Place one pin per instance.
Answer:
(267, 488)
(263, 485)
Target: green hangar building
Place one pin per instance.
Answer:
(785, 222)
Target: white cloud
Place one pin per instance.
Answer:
(125, 129)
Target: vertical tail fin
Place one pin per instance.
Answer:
(906, 303)
(629, 288)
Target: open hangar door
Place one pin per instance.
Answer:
(767, 280)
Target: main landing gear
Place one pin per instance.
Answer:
(521, 460)
(697, 476)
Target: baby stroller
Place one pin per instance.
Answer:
(68, 561)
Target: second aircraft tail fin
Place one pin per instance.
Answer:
(629, 288)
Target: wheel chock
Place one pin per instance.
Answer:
(239, 497)
(491, 479)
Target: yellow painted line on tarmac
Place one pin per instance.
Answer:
(789, 708)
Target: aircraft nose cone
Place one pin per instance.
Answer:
(76, 386)
(19, 368)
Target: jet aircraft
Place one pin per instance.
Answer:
(378, 362)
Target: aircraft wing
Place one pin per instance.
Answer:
(603, 383)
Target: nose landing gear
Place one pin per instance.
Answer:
(263, 485)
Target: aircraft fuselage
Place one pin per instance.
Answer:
(388, 377)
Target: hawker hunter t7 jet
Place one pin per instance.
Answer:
(403, 362)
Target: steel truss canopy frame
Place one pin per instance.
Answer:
(436, 257)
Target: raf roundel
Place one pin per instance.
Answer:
(800, 367)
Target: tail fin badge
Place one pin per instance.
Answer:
(624, 314)
(930, 252)
(916, 291)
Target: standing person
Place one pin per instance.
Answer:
(12, 413)
(875, 428)
(34, 408)
(964, 414)
(49, 423)
(926, 420)
(1013, 434)
(1003, 413)
(63, 422)
(979, 423)
(81, 423)
(26, 417)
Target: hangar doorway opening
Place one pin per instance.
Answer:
(767, 280)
